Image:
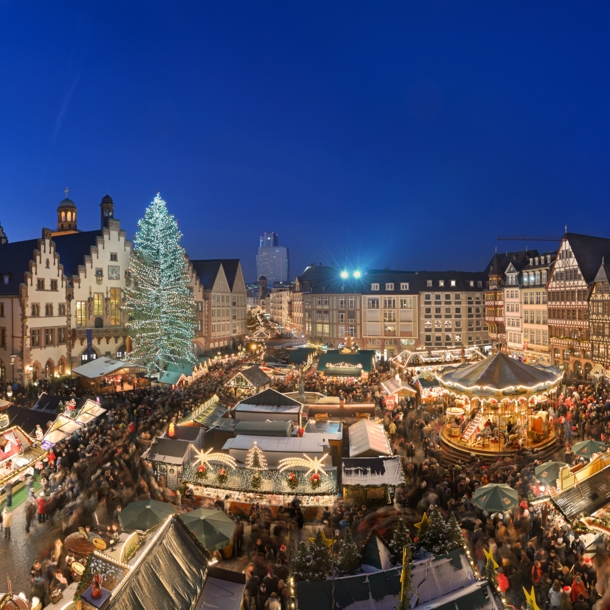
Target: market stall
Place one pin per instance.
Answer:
(500, 398)
(18, 453)
(107, 374)
(249, 381)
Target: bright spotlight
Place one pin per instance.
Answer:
(344, 274)
(357, 274)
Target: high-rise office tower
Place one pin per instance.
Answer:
(272, 260)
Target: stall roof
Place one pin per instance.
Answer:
(368, 439)
(174, 372)
(586, 497)
(28, 419)
(167, 450)
(223, 589)
(243, 408)
(362, 360)
(254, 376)
(89, 411)
(170, 575)
(264, 428)
(300, 355)
(186, 433)
(330, 429)
(100, 367)
(292, 444)
(269, 398)
(394, 386)
(372, 471)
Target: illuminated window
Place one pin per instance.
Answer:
(374, 286)
(81, 313)
(115, 306)
(98, 304)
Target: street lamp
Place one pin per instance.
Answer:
(344, 274)
(357, 274)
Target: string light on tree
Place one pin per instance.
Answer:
(255, 459)
(160, 307)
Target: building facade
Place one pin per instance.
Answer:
(573, 273)
(272, 260)
(599, 317)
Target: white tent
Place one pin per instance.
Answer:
(100, 367)
(62, 428)
(368, 439)
(89, 411)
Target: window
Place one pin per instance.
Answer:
(48, 310)
(389, 303)
(35, 310)
(404, 285)
(406, 303)
(373, 304)
(199, 325)
(471, 283)
(341, 331)
(81, 313)
(325, 301)
(61, 309)
(351, 303)
(341, 302)
(453, 283)
(98, 304)
(115, 306)
(427, 297)
(61, 335)
(199, 305)
(48, 336)
(40, 284)
(441, 283)
(114, 256)
(35, 337)
(437, 297)
(374, 286)
(341, 317)
(351, 331)
(480, 284)
(1, 310)
(53, 284)
(389, 316)
(389, 286)
(3, 337)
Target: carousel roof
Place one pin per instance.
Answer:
(498, 373)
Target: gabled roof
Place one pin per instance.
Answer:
(73, 248)
(15, 260)
(28, 419)
(207, 272)
(168, 450)
(588, 251)
(603, 273)
(268, 398)
(499, 262)
(255, 376)
(186, 433)
(368, 439)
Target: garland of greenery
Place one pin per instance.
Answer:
(83, 584)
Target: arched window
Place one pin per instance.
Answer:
(49, 369)
(63, 216)
(61, 368)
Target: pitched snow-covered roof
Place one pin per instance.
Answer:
(372, 471)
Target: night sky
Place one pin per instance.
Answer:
(407, 134)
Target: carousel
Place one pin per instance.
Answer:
(496, 408)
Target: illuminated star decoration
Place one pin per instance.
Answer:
(327, 541)
(315, 465)
(530, 599)
(423, 524)
(489, 557)
(205, 457)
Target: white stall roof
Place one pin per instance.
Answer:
(89, 412)
(394, 386)
(100, 367)
(368, 439)
(292, 444)
(268, 409)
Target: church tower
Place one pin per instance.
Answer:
(107, 207)
(66, 216)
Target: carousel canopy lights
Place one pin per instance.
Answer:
(499, 375)
(207, 457)
(315, 465)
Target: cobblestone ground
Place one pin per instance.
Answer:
(18, 554)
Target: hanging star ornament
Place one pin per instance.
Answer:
(424, 523)
(489, 557)
(530, 599)
(207, 457)
(327, 541)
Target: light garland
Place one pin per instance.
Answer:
(206, 457)
(255, 459)
(315, 465)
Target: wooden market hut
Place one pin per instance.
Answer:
(249, 381)
(169, 458)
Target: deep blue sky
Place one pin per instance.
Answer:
(403, 134)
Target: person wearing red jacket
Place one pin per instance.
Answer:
(503, 582)
(41, 508)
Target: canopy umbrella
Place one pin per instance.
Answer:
(495, 498)
(588, 448)
(549, 471)
(213, 528)
(144, 514)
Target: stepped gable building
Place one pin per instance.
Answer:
(573, 275)
(494, 294)
(60, 296)
(220, 296)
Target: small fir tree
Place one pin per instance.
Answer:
(400, 539)
(311, 562)
(349, 557)
(405, 579)
(159, 305)
(491, 573)
(435, 538)
(454, 534)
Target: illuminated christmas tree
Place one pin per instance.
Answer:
(160, 307)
